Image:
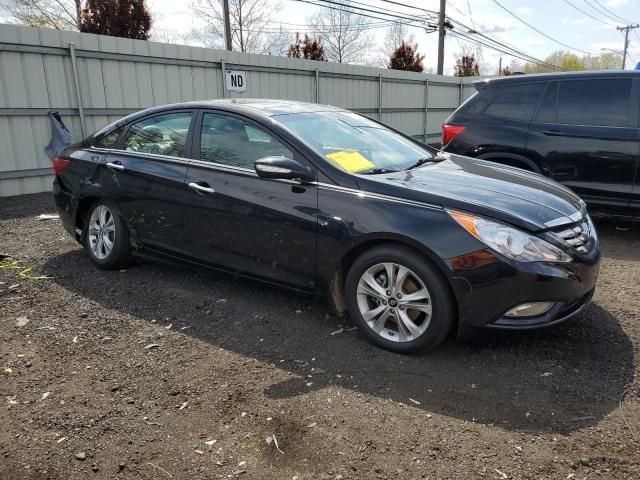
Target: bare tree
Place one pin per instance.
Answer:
(58, 14)
(251, 25)
(393, 38)
(395, 35)
(343, 33)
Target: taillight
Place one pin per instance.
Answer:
(59, 164)
(449, 132)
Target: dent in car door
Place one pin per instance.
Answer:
(587, 138)
(242, 222)
(144, 177)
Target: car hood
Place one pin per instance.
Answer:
(486, 188)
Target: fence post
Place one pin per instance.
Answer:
(224, 81)
(76, 81)
(460, 93)
(380, 97)
(426, 109)
(317, 86)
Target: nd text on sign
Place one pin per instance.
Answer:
(236, 81)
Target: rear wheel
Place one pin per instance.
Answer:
(106, 237)
(399, 300)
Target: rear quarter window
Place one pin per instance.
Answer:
(476, 103)
(517, 102)
(110, 140)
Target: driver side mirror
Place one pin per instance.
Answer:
(282, 168)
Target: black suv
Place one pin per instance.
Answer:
(580, 129)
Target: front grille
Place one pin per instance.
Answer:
(579, 236)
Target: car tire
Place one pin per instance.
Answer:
(419, 294)
(106, 237)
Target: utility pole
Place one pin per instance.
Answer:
(500, 67)
(227, 25)
(441, 32)
(626, 41)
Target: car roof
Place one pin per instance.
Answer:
(260, 106)
(541, 77)
(254, 107)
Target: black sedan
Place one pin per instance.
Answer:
(412, 242)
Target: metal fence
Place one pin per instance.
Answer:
(93, 80)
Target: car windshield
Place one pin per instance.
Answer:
(355, 143)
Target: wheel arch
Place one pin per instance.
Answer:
(82, 209)
(338, 281)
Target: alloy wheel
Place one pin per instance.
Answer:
(102, 231)
(394, 302)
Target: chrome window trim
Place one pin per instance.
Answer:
(140, 154)
(223, 166)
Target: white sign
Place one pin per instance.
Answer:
(236, 81)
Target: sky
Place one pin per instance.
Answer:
(556, 18)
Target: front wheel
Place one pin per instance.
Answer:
(106, 237)
(399, 300)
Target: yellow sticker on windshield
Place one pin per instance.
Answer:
(351, 160)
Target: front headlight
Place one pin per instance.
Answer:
(509, 241)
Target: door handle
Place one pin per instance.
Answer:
(115, 166)
(556, 133)
(201, 188)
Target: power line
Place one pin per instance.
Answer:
(540, 31)
(601, 11)
(408, 21)
(350, 8)
(494, 39)
(503, 49)
(588, 14)
(433, 12)
(612, 13)
(471, 15)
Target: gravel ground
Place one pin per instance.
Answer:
(163, 372)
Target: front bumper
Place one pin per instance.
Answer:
(488, 286)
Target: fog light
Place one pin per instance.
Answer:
(534, 309)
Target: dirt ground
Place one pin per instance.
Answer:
(162, 372)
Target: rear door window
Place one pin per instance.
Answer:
(517, 102)
(160, 135)
(595, 102)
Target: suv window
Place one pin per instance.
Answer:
(162, 135)
(232, 141)
(517, 101)
(598, 102)
(476, 102)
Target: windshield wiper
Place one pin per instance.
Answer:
(378, 171)
(422, 161)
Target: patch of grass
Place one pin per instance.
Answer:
(23, 270)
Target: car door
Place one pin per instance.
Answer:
(240, 221)
(586, 134)
(144, 176)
